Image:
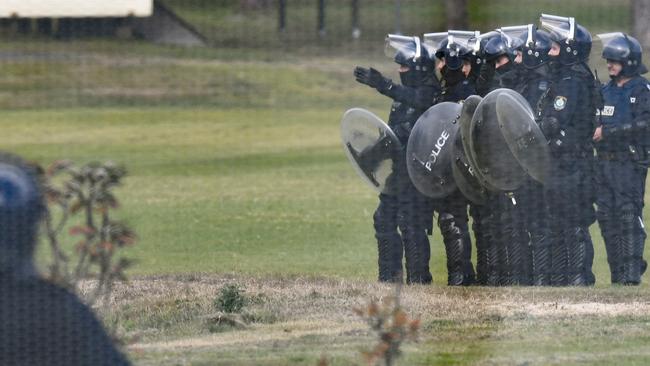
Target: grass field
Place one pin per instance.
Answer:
(236, 175)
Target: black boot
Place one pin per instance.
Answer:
(632, 245)
(612, 239)
(516, 240)
(458, 248)
(390, 251)
(580, 257)
(417, 252)
(540, 243)
(559, 257)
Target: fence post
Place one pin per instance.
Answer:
(398, 9)
(356, 30)
(321, 18)
(282, 15)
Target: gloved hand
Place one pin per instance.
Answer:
(550, 126)
(372, 78)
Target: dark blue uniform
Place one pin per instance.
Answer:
(533, 209)
(621, 174)
(501, 239)
(406, 210)
(568, 117)
(452, 210)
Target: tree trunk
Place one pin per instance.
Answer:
(641, 14)
(456, 11)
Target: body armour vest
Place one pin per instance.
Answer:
(619, 110)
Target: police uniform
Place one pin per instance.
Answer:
(622, 157)
(407, 208)
(400, 220)
(452, 210)
(533, 86)
(568, 122)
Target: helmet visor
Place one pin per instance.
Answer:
(407, 48)
(620, 49)
(432, 41)
(466, 39)
(563, 27)
(515, 35)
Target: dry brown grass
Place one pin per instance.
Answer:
(294, 320)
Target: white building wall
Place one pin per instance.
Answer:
(74, 8)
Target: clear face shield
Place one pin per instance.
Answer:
(606, 40)
(467, 39)
(403, 48)
(562, 26)
(481, 39)
(610, 50)
(432, 41)
(515, 35)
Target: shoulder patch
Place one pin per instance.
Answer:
(632, 99)
(559, 103)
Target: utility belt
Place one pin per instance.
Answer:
(575, 154)
(633, 153)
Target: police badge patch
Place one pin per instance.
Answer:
(559, 103)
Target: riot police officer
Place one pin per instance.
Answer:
(499, 69)
(622, 143)
(533, 85)
(567, 117)
(501, 238)
(454, 64)
(407, 209)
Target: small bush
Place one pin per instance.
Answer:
(230, 299)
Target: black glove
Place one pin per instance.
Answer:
(550, 127)
(372, 78)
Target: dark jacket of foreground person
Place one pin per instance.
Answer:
(40, 323)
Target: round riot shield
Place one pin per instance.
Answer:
(496, 166)
(465, 121)
(370, 145)
(462, 168)
(522, 134)
(428, 153)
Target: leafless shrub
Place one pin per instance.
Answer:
(392, 326)
(80, 201)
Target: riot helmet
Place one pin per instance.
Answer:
(21, 208)
(574, 39)
(497, 46)
(625, 49)
(452, 51)
(536, 45)
(409, 52)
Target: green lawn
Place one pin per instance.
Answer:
(255, 191)
(236, 174)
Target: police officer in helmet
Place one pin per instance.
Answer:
(454, 64)
(534, 83)
(622, 146)
(567, 119)
(400, 221)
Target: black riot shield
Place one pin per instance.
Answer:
(429, 150)
(371, 147)
(464, 170)
(523, 135)
(505, 142)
